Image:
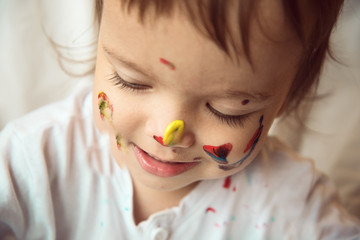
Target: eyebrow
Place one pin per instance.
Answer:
(257, 96)
(128, 63)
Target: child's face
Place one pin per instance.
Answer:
(169, 71)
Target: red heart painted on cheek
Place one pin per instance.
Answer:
(218, 153)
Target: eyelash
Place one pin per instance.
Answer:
(119, 81)
(231, 120)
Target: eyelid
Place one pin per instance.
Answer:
(231, 120)
(119, 81)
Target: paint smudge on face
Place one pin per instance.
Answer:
(249, 147)
(255, 137)
(106, 112)
(105, 107)
(174, 132)
(167, 63)
(227, 182)
(246, 101)
(159, 140)
(218, 153)
(118, 142)
(210, 209)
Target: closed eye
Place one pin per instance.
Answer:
(119, 81)
(231, 120)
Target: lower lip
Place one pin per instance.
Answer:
(158, 168)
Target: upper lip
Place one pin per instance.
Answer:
(166, 161)
(173, 160)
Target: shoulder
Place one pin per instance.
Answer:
(73, 108)
(51, 135)
(281, 165)
(279, 174)
(52, 121)
(37, 161)
(296, 198)
(278, 166)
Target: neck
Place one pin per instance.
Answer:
(148, 201)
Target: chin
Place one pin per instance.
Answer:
(164, 184)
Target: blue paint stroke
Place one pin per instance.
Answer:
(238, 163)
(219, 159)
(218, 153)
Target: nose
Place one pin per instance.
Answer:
(173, 133)
(175, 136)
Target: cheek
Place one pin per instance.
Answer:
(233, 154)
(218, 153)
(105, 107)
(255, 137)
(128, 117)
(103, 110)
(113, 116)
(248, 149)
(104, 116)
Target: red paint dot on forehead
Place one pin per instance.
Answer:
(167, 63)
(246, 101)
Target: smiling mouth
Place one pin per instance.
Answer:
(160, 167)
(168, 162)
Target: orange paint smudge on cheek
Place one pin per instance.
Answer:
(105, 107)
(106, 112)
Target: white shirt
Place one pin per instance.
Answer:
(58, 180)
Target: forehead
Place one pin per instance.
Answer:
(228, 23)
(274, 52)
(222, 21)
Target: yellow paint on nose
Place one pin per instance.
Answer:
(173, 132)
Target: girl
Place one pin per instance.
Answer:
(172, 142)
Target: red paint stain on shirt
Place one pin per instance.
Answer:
(227, 182)
(210, 209)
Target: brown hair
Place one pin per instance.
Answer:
(211, 16)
